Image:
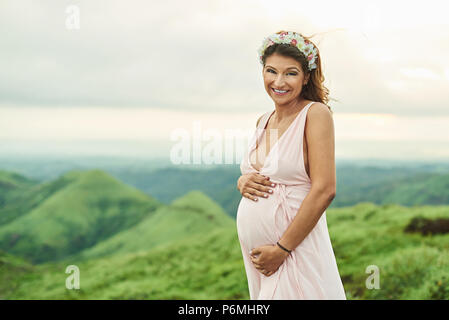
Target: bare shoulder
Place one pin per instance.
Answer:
(319, 109)
(319, 118)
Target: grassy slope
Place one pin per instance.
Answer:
(402, 185)
(76, 211)
(209, 265)
(13, 187)
(431, 189)
(413, 189)
(14, 272)
(410, 265)
(190, 214)
(202, 266)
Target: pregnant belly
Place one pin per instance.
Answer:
(258, 222)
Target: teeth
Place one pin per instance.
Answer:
(280, 91)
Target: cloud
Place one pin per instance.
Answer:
(201, 55)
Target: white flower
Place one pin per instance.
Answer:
(287, 38)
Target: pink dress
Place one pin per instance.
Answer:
(310, 271)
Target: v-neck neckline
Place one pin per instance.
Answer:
(254, 147)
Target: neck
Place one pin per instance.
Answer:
(286, 111)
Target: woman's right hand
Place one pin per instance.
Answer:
(253, 185)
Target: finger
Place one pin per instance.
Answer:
(257, 265)
(268, 273)
(263, 186)
(258, 178)
(262, 180)
(246, 187)
(255, 260)
(263, 189)
(255, 252)
(250, 196)
(268, 183)
(255, 192)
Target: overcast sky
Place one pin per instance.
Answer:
(138, 70)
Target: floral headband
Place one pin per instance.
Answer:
(294, 39)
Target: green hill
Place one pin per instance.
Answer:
(12, 188)
(127, 245)
(209, 265)
(201, 266)
(168, 184)
(408, 186)
(13, 270)
(422, 189)
(71, 213)
(415, 189)
(194, 213)
(11, 180)
(411, 265)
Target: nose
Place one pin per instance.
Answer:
(279, 81)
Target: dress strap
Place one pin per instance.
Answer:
(304, 113)
(263, 120)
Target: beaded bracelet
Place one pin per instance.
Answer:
(283, 248)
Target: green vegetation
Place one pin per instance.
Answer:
(13, 188)
(72, 213)
(204, 266)
(411, 266)
(399, 185)
(191, 214)
(137, 248)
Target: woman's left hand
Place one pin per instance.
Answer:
(269, 260)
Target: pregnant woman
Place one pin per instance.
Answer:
(288, 180)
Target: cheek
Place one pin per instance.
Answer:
(295, 84)
(268, 78)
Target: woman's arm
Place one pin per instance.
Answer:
(319, 132)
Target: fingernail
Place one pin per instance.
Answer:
(255, 199)
(265, 195)
(270, 191)
(272, 184)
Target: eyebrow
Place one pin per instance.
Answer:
(268, 66)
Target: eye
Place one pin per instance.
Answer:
(272, 71)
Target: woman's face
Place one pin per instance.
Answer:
(285, 74)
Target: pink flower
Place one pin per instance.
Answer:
(310, 57)
(294, 42)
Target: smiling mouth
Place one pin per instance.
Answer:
(282, 92)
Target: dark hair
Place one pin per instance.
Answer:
(314, 89)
